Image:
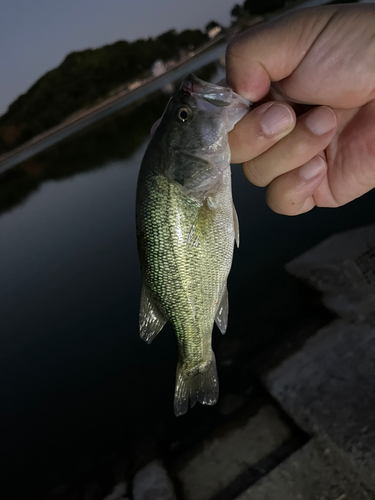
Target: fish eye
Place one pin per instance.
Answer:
(183, 114)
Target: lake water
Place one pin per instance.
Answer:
(77, 383)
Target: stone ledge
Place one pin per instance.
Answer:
(153, 483)
(314, 472)
(220, 460)
(342, 268)
(328, 388)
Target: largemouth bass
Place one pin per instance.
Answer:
(186, 228)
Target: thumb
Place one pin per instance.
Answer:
(271, 52)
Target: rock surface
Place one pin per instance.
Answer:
(118, 492)
(312, 473)
(328, 388)
(221, 460)
(152, 483)
(343, 269)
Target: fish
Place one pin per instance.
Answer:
(186, 228)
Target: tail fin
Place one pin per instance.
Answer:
(202, 386)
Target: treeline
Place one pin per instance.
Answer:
(256, 7)
(115, 138)
(86, 77)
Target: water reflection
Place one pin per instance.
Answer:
(78, 385)
(116, 138)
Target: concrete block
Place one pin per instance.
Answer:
(219, 461)
(328, 388)
(152, 483)
(118, 492)
(343, 269)
(314, 472)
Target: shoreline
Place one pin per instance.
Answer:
(208, 53)
(82, 119)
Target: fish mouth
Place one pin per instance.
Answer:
(214, 94)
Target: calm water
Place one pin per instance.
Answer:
(77, 383)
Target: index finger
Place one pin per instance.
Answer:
(271, 52)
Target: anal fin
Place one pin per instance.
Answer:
(221, 317)
(151, 320)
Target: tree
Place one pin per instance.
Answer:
(211, 25)
(86, 76)
(237, 11)
(259, 7)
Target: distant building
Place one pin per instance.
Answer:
(135, 85)
(214, 31)
(158, 68)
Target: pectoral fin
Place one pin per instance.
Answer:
(151, 320)
(221, 318)
(193, 237)
(236, 227)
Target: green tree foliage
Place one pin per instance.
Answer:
(259, 7)
(211, 25)
(237, 11)
(85, 77)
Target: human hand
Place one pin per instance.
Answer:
(322, 57)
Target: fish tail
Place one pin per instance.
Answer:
(202, 386)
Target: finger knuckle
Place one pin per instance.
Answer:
(255, 173)
(299, 150)
(303, 149)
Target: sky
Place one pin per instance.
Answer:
(36, 35)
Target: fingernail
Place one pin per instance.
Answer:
(276, 119)
(321, 120)
(312, 168)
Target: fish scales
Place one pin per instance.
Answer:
(185, 239)
(191, 289)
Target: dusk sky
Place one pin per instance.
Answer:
(36, 36)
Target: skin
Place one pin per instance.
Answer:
(321, 63)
